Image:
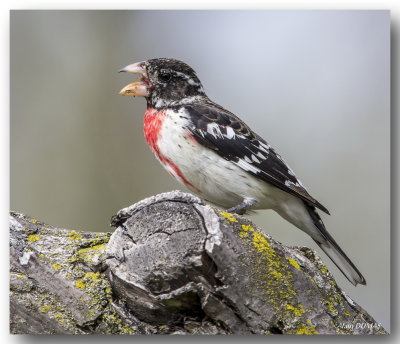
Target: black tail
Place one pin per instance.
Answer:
(334, 252)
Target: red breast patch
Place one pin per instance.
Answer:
(153, 122)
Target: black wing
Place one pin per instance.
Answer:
(224, 133)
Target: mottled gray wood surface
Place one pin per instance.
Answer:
(174, 265)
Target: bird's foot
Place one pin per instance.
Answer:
(241, 208)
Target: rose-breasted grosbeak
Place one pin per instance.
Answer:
(217, 156)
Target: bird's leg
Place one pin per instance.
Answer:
(241, 208)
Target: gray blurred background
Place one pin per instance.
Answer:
(314, 84)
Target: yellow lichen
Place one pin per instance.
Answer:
(89, 254)
(44, 309)
(330, 305)
(248, 228)
(95, 276)
(276, 274)
(324, 270)
(243, 234)
(127, 330)
(229, 216)
(56, 266)
(80, 284)
(279, 277)
(308, 330)
(88, 279)
(34, 221)
(294, 263)
(74, 236)
(115, 322)
(59, 317)
(33, 238)
(261, 243)
(273, 276)
(298, 311)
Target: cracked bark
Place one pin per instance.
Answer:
(173, 266)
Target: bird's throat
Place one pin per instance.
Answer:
(153, 121)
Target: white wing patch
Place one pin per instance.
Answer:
(247, 166)
(264, 146)
(214, 130)
(230, 133)
(247, 159)
(290, 171)
(261, 156)
(253, 157)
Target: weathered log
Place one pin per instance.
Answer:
(173, 266)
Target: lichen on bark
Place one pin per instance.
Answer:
(174, 265)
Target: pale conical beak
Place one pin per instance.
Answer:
(135, 68)
(138, 88)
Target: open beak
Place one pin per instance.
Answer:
(137, 88)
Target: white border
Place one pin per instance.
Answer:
(5, 7)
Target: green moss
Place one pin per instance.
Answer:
(33, 238)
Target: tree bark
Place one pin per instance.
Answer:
(174, 265)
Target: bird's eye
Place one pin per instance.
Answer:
(164, 76)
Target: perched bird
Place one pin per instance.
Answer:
(217, 156)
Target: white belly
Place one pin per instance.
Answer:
(209, 175)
